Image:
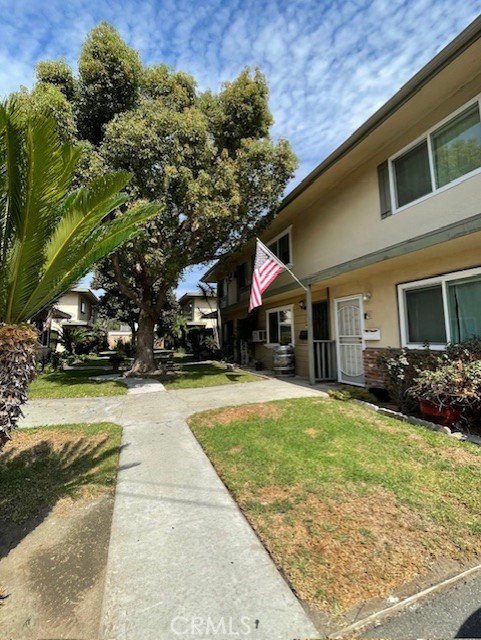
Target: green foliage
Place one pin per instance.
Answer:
(84, 340)
(468, 350)
(58, 74)
(110, 74)
(243, 111)
(49, 238)
(400, 368)
(352, 393)
(47, 100)
(206, 158)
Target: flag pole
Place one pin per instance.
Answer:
(281, 264)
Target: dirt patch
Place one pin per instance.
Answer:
(311, 432)
(54, 439)
(234, 414)
(55, 577)
(339, 552)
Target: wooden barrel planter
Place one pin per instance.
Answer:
(283, 361)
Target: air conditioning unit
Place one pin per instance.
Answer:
(259, 336)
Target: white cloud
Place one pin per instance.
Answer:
(329, 65)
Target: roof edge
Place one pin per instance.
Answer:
(449, 53)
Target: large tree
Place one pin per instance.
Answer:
(49, 238)
(206, 158)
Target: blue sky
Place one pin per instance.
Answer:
(329, 63)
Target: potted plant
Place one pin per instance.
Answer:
(116, 360)
(450, 391)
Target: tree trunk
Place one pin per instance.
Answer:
(144, 348)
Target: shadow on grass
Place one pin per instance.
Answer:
(32, 480)
(196, 372)
(73, 378)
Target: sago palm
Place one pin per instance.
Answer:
(49, 238)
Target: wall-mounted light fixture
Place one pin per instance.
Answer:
(302, 304)
(366, 296)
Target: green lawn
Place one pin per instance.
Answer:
(206, 375)
(72, 384)
(350, 504)
(42, 465)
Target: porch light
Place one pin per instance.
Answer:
(302, 304)
(366, 296)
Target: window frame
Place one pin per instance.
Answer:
(442, 280)
(276, 238)
(287, 307)
(427, 136)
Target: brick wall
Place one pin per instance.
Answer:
(372, 371)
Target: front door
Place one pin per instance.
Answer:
(349, 325)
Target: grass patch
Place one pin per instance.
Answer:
(207, 375)
(43, 465)
(350, 504)
(72, 384)
(93, 361)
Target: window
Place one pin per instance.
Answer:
(441, 310)
(442, 156)
(457, 147)
(82, 306)
(280, 326)
(412, 174)
(244, 275)
(281, 247)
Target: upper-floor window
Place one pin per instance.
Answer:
(443, 155)
(441, 310)
(243, 274)
(83, 306)
(281, 247)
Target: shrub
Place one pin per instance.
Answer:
(452, 384)
(352, 393)
(400, 368)
(468, 350)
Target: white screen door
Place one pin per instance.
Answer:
(349, 325)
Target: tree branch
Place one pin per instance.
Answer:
(123, 286)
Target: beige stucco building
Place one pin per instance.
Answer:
(385, 233)
(76, 308)
(199, 309)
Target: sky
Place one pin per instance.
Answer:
(330, 64)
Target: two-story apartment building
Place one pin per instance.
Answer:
(385, 234)
(76, 308)
(199, 309)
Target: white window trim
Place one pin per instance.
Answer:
(287, 307)
(427, 136)
(280, 235)
(443, 280)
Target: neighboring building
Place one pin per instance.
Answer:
(76, 308)
(386, 233)
(199, 309)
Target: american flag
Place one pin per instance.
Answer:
(266, 269)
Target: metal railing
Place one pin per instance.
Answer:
(325, 360)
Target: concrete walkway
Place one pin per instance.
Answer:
(183, 561)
